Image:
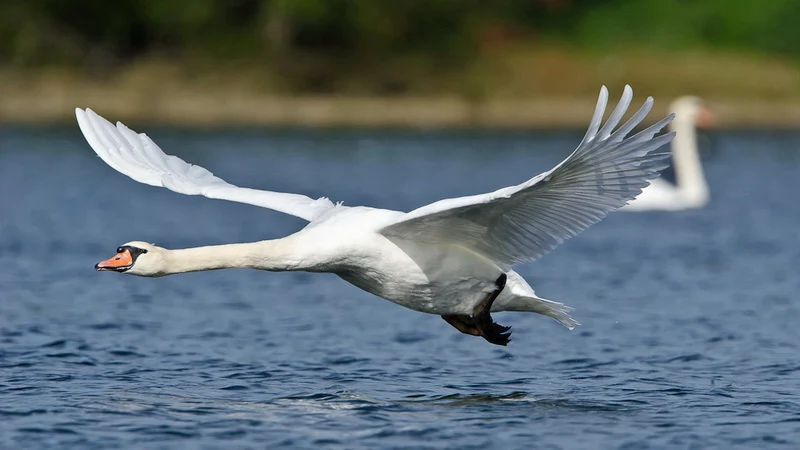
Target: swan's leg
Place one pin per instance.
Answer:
(464, 324)
(492, 332)
(481, 323)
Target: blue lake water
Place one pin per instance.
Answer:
(690, 335)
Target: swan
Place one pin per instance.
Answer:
(690, 190)
(451, 258)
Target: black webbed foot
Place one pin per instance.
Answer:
(481, 323)
(497, 334)
(464, 324)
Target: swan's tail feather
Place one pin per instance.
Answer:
(556, 310)
(523, 298)
(559, 312)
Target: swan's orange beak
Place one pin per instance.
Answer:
(705, 118)
(121, 262)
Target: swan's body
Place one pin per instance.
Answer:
(452, 257)
(691, 190)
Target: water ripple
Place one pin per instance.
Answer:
(671, 353)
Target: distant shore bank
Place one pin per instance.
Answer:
(210, 111)
(543, 89)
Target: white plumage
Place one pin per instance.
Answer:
(523, 222)
(444, 258)
(137, 156)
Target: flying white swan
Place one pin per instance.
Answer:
(452, 257)
(690, 190)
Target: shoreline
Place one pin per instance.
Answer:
(215, 110)
(522, 88)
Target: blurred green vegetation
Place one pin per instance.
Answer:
(311, 45)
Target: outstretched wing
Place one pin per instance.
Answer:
(523, 222)
(138, 157)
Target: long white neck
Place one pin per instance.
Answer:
(274, 255)
(688, 169)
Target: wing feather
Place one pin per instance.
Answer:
(523, 222)
(137, 156)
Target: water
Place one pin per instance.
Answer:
(690, 335)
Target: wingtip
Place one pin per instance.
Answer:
(83, 119)
(86, 113)
(627, 96)
(82, 114)
(90, 113)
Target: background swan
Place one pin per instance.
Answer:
(691, 189)
(452, 257)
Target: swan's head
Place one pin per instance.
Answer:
(135, 258)
(692, 110)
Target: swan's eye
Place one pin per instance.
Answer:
(135, 251)
(120, 249)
